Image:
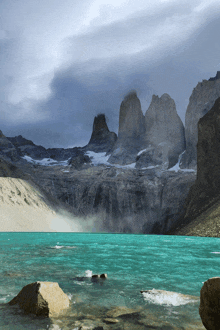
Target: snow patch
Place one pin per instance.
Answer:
(176, 168)
(98, 158)
(140, 152)
(45, 161)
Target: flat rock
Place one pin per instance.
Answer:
(42, 299)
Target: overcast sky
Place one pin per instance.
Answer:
(63, 62)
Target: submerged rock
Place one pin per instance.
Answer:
(209, 309)
(42, 299)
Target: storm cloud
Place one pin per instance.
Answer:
(63, 63)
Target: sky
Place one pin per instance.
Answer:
(64, 62)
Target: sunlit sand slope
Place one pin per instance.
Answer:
(24, 208)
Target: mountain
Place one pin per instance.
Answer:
(201, 101)
(129, 183)
(102, 140)
(131, 131)
(164, 134)
(25, 206)
(202, 206)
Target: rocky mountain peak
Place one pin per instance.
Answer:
(99, 125)
(201, 101)
(208, 156)
(131, 117)
(7, 149)
(164, 137)
(20, 141)
(216, 77)
(131, 130)
(101, 139)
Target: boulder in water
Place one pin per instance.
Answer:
(42, 299)
(209, 309)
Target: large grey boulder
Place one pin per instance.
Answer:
(102, 140)
(209, 309)
(131, 131)
(42, 299)
(200, 102)
(165, 136)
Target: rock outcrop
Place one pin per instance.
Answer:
(79, 160)
(201, 101)
(203, 199)
(131, 131)
(209, 309)
(119, 200)
(102, 140)
(42, 299)
(26, 147)
(165, 136)
(7, 149)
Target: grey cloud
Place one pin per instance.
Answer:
(98, 84)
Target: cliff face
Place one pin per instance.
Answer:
(119, 198)
(102, 140)
(123, 200)
(131, 131)
(201, 101)
(165, 136)
(202, 206)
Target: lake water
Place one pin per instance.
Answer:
(132, 262)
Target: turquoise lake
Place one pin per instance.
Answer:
(132, 262)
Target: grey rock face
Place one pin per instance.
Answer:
(208, 158)
(201, 101)
(27, 147)
(165, 136)
(77, 162)
(131, 131)
(19, 141)
(102, 140)
(204, 193)
(7, 149)
(119, 200)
